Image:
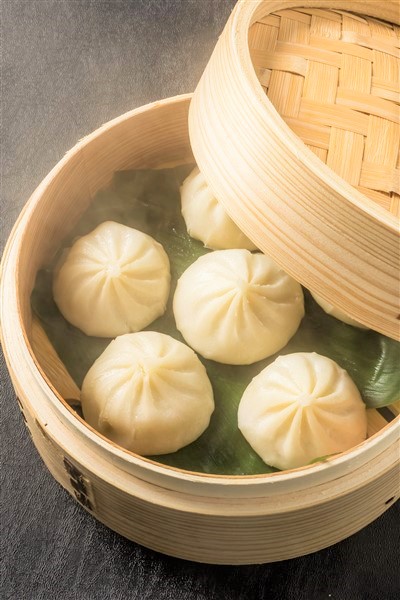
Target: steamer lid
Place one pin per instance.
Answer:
(281, 79)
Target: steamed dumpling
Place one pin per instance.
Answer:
(148, 393)
(206, 219)
(236, 307)
(336, 312)
(114, 280)
(301, 407)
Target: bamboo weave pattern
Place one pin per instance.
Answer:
(334, 78)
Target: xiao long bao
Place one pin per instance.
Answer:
(206, 219)
(336, 312)
(300, 408)
(236, 307)
(112, 281)
(148, 393)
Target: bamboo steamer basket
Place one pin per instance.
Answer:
(295, 126)
(214, 519)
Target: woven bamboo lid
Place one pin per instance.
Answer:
(334, 79)
(295, 125)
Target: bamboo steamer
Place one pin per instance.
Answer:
(282, 77)
(214, 519)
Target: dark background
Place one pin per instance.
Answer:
(67, 67)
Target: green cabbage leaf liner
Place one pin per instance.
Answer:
(150, 201)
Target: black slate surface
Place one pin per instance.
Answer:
(67, 67)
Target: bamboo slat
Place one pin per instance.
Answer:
(330, 84)
(53, 368)
(234, 520)
(363, 56)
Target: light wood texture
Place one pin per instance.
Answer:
(51, 364)
(334, 78)
(220, 530)
(340, 98)
(217, 519)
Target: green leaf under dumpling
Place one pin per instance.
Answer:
(150, 201)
